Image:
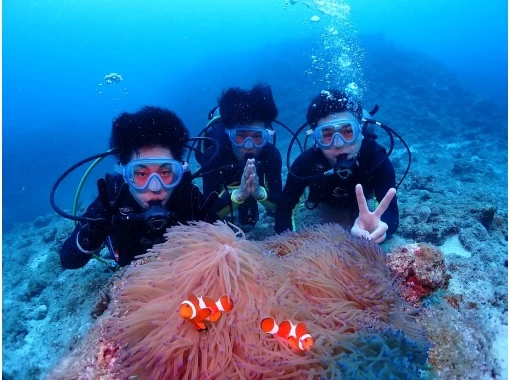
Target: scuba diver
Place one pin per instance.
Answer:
(247, 169)
(344, 168)
(154, 191)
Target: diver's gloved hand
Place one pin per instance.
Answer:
(245, 189)
(257, 191)
(369, 224)
(92, 235)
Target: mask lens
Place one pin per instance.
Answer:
(166, 174)
(239, 136)
(347, 131)
(257, 138)
(140, 173)
(327, 135)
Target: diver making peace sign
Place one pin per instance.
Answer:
(340, 170)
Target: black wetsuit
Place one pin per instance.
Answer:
(133, 238)
(268, 164)
(338, 193)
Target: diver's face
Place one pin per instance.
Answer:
(145, 196)
(242, 152)
(333, 152)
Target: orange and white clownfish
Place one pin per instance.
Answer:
(190, 310)
(297, 335)
(200, 309)
(224, 303)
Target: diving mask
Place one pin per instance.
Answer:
(249, 137)
(337, 133)
(153, 174)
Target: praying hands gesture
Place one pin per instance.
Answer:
(249, 183)
(368, 224)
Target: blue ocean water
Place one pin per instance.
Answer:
(180, 54)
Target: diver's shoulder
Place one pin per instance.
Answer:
(270, 151)
(310, 154)
(187, 178)
(308, 161)
(372, 147)
(373, 154)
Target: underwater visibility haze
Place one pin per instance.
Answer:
(437, 69)
(181, 55)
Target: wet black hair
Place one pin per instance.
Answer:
(332, 101)
(239, 106)
(148, 127)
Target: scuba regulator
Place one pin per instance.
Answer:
(345, 167)
(156, 217)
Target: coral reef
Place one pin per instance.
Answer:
(460, 349)
(45, 309)
(420, 268)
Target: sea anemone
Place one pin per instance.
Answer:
(338, 285)
(384, 354)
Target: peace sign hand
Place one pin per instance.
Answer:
(368, 224)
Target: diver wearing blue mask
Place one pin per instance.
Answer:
(247, 170)
(151, 192)
(341, 171)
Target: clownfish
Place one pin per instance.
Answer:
(297, 336)
(224, 303)
(200, 309)
(190, 310)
